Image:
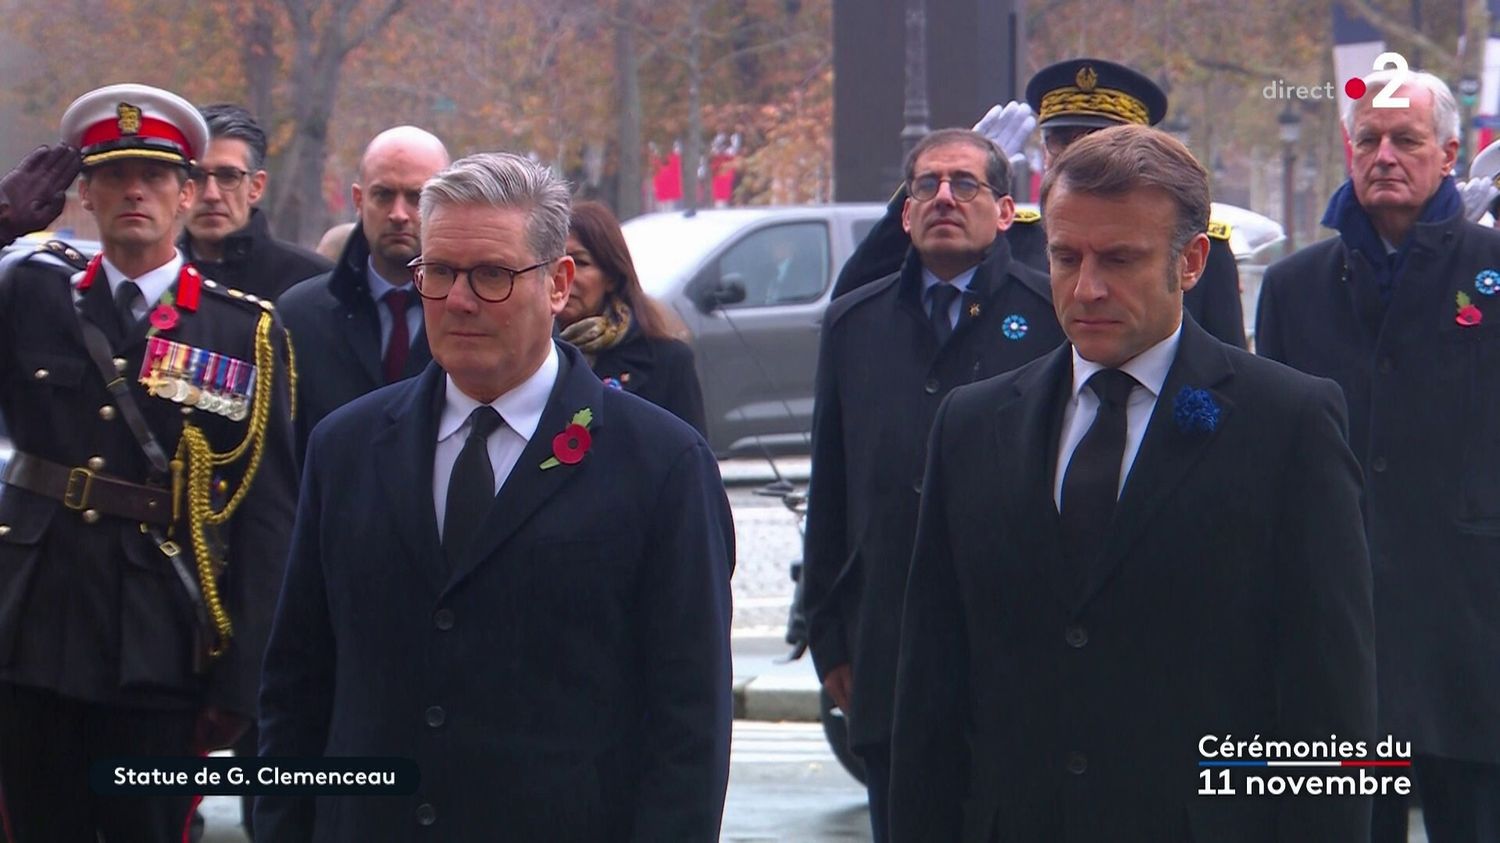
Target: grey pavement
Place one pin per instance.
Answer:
(767, 540)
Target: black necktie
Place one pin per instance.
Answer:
(471, 488)
(125, 298)
(1092, 482)
(943, 296)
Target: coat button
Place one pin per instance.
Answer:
(1076, 636)
(96, 463)
(1378, 464)
(1077, 763)
(426, 814)
(436, 717)
(40, 374)
(106, 412)
(120, 364)
(4, 529)
(932, 386)
(443, 619)
(91, 516)
(917, 487)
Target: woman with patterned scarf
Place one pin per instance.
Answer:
(625, 334)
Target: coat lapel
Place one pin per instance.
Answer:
(362, 339)
(98, 306)
(1167, 452)
(1364, 292)
(420, 354)
(1026, 441)
(529, 485)
(405, 446)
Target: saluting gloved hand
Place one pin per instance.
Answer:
(1479, 195)
(33, 194)
(1008, 126)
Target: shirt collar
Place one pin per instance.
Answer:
(379, 286)
(1149, 368)
(521, 408)
(152, 284)
(961, 280)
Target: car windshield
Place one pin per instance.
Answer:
(668, 247)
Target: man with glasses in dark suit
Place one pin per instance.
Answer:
(959, 309)
(227, 237)
(534, 605)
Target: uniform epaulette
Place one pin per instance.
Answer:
(238, 295)
(1218, 230)
(1027, 215)
(65, 253)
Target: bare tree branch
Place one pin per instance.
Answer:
(372, 26)
(1443, 55)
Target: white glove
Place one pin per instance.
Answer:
(1007, 126)
(1478, 195)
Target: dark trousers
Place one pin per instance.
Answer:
(877, 758)
(1460, 803)
(46, 745)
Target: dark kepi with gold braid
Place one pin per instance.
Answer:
(1094, 92)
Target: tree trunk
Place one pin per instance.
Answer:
(300, 214)
(692, 147)
(628, 84)
(259, 51)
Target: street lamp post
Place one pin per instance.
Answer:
(915, 112)
(1290, 123)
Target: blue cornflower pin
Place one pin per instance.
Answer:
(1196, 411)
(1014, 326)
(1487, 282)
(613, 383)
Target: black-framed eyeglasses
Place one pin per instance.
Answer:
(227, 178)
(491, 282)
(964, 188)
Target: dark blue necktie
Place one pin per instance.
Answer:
(943, 295)
(1091, 484)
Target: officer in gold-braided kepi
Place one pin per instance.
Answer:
(1067, 100)
(147, 509)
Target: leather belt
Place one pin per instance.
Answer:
(83, 488)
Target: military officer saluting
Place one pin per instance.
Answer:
(146, 512)
(1068, 100)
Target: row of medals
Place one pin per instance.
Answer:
(161, 385)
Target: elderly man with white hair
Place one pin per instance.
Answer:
(1402, 309)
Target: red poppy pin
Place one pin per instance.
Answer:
(1468, 314)
(164, 316)
(569, 446)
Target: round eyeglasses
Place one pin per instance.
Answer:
(963, 188)
(491, 282)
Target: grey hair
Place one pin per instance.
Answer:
(504, 180)
(1444, 107)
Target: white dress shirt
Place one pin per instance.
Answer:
(152, 284)
(521, 409)
(1149, 368)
